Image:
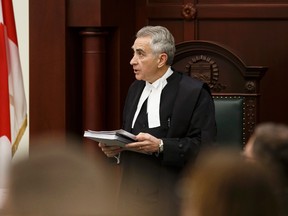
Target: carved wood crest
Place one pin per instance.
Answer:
(204, 68)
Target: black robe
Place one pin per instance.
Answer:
(187, 116)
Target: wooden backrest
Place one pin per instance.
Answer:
(234, 86)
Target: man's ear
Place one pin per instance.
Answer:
(162, 60)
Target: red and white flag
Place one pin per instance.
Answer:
(13, 107)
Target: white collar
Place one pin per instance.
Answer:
(161, 80)
(153, 93)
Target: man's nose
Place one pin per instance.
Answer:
(133, 60)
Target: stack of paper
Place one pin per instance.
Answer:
(112, 138)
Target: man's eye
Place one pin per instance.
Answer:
(140, 53)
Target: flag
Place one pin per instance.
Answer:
(13, 107)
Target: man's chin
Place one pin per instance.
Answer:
(138, 77)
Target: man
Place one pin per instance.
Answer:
(58, 179)
(268, 145)
(221, 183)
(172, 115)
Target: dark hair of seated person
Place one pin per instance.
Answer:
(222, 183)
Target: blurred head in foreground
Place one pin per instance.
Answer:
(269, 145)
(58, 181)
(221, 183)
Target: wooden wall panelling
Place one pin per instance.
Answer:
(93, 78)
(74, 115)
(56, 66)
(169, 13)
(255, 30)
(84, 13)
(47, 68)
(106, 82)
(257, 34)
(251, 2)
(109, 16)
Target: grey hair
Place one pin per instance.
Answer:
(162, 40)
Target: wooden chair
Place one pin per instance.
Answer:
(234, 86)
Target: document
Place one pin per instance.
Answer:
(112, 138)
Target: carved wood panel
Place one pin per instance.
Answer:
(255, 30)
(225, 73)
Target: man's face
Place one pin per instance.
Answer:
(144, 62)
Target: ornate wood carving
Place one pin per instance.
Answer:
(250, 86)
(225, 73)
(203, 68)
(250, 116)
(188, 11)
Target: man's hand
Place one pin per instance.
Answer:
(110, 151)
(146, 144)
